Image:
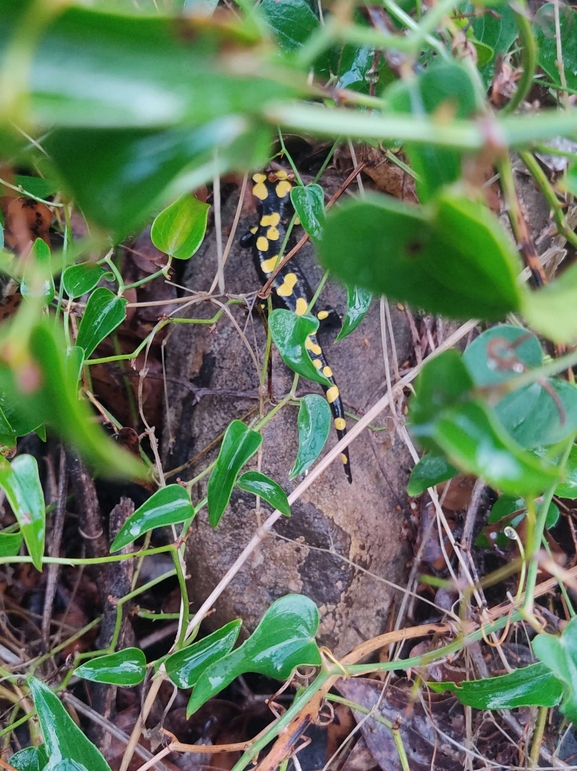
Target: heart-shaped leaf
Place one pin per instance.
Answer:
(238, 446)
(126, 667)
(179, 229)
(186, 666)
(37, 280)
(63, 739)
(358, 303)
(428, 472)
(309, 204)
(103, 313)
(501, 353)
(80, 279)
(167, 506)
(314, 423)
(291, 22)
(65, 764)
(259, 484)
(530, 686)
(451, 257)
(21, 483)
(30, 759)
(291, 334)
(559, 654)
(284, 639)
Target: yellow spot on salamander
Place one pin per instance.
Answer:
(253, 230)
(286, 289)
(269, 265)
(283, 188)
(272, 234)
(332, 394)
(258, 177)
(312, 347)
(318, 363)
(259, 191)
(281, 174)
(270, 219)
(340, 424)
(262, 244)
(321, 315)
(302, 306)
(327, 371)
(344, 458)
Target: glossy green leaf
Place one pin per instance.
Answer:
(358, 303)
(547, 40)
(559, 654)
(62, 738)
(38, 387)
(290, 334)
(74, 362)
(35, 186)
(447, 88)
(309, 204)
(530, 686)
(65, 764)
(284, 639)
(510, 511)
(186, 666)
(238, 446)
(451, 257)
(179, 230)
(354, 66)
(80, 279)
(552, 310)
(259, 484)
(473, 441)
(314, 424)
(167, 506)
(126, 667)
(502, 353)
(539, 416)
(21, 483)
(119, 176)
(30, 759)
(567, 488)
(103, 313)
(496, 30)
(10, 544)
(37, 279)
(428, 472)
(291, 22)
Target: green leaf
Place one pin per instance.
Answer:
(451, 257)
(238, 446)
(10, 544)
(552, 310)
(186, 666)
(284, 639)
(473, 441)
(497, 30)
(309, 204)
(546, 37)
(501, 353)
(290, 334)
(443, 87)
(567, 488)
(126, 667)
(74, 363)
(80, 279)
(63, 739)
(37, 280)
(38, 386)
(530, 686)
(119, 176)
(314, 423)
(65, 764)
(35, 186)
(292, 22)
(103, 313)
(21, 483)
(559, 654)
(358, 303)
(570, 179)
(259, 484)
(30, 759)
(179, 230)
(167, 506)
(428, 472)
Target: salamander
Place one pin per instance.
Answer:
(290, 287)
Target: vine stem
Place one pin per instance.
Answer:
(529, 60)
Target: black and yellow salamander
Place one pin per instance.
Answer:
(290, 287)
